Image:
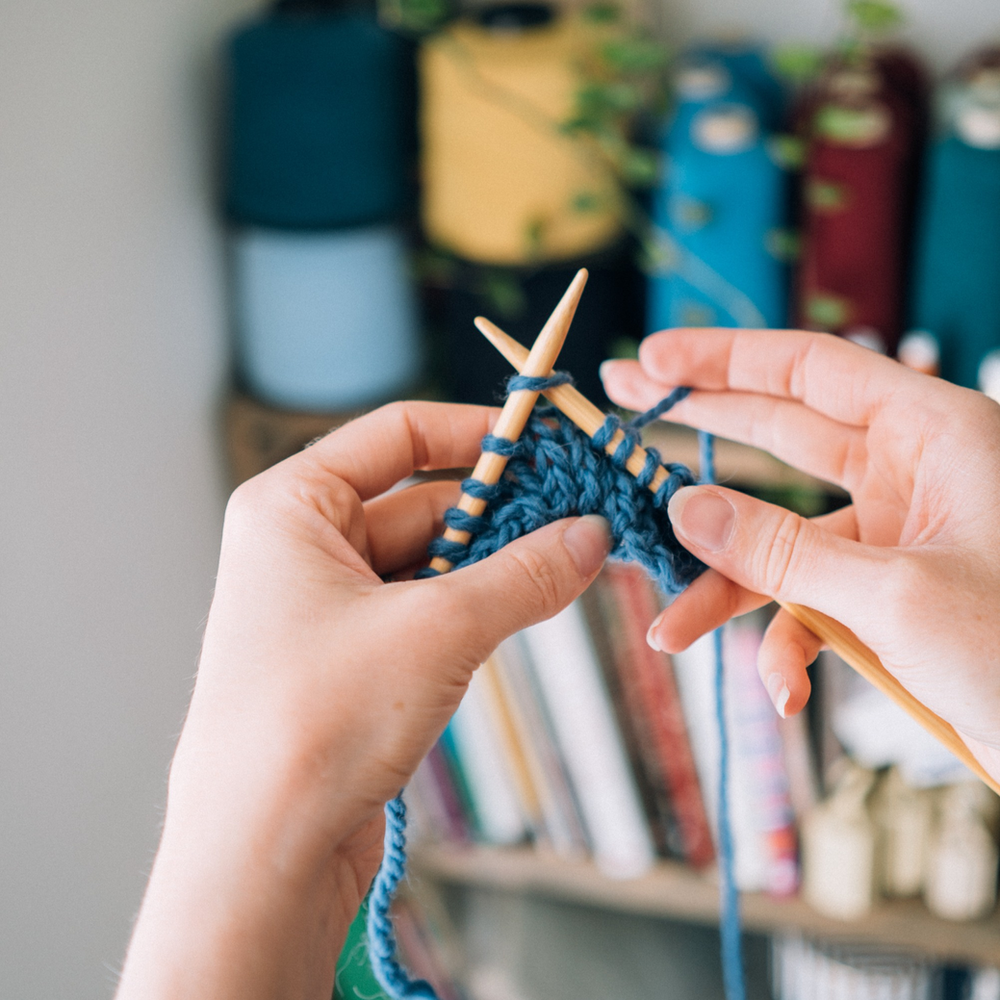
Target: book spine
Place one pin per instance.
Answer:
(563, 828)
(695, 672)
(456, 819)
(569, 676)
(653, 678)
(759, 749)
(506, 727)
(486, 768)
(630, 712)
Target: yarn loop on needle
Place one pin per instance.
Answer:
(556, 472)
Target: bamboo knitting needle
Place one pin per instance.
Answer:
(516, 410)
(838, 637)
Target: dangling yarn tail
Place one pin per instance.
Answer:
(729, 917)
(391, 975)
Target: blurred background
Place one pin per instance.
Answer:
(196, 279)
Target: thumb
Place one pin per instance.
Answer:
(772, 551)
(525, 582)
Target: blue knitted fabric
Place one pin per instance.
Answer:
(555, 471)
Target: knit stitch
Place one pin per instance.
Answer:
(556, 472)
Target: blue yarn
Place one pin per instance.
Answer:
(730, 923)
(555, 472)
(392, 977)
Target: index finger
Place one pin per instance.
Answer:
(828, 374)
(374, 452)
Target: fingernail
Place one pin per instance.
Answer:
(777, 691)
(606, 367)
(588, 541)
(702, 517)
(651, 639)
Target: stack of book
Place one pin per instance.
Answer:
(580, 738)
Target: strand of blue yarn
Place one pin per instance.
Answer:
(554, 471)
(730, 920)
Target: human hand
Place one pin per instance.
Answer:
(320, 689)
(912, 566)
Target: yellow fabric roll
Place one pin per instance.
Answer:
(499, 179)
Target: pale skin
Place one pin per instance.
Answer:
(321, 687)
(912, 565)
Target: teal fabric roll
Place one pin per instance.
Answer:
(324, 321)
(320, 122)
(957, 273)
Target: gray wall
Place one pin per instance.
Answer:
(112, 355)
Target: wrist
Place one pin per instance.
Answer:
(248, 918)
(259, 873)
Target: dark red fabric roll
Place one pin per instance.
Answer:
(858, 198)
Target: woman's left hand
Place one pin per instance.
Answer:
(320, 689)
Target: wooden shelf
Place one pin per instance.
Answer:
(675, 890)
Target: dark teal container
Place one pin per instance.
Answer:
(320, 121)
(957, 274)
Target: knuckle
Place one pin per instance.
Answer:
(780, 557)
(541, 586)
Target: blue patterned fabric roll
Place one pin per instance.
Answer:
(320, 122)
(324, 321)
(752, 80)
(722, 210)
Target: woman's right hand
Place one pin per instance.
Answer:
(912, 565)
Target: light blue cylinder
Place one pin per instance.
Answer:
(324, 321)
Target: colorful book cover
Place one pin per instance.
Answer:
(760, 753)
(650, 675)
(614, 649)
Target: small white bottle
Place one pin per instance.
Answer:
(904, 816)
(961, 879)
(838, 849)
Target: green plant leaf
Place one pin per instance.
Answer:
(586, 202)
(504, 294)
(874, 16)
(640, 167)
(602, 13)
(596, 99)
(534, 237)
(788, 151)
(825, 196)
(798, 64)
(634, 55)
(783, 244)
(829, 312)
(626, 348)
(418, 17)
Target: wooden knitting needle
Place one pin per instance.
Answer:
(571, 401)
(516, 410)
(838, 637)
